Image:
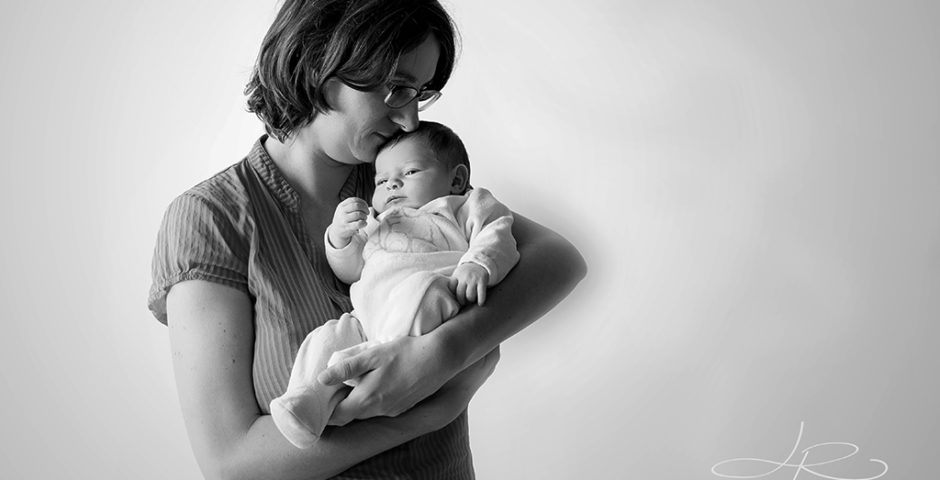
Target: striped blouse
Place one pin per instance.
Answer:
(243, 228)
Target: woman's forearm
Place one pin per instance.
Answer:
(257, 457)
(548, 270)
(262, 453)
(212, 337)
(402, 372)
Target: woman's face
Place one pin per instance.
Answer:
(360, 122)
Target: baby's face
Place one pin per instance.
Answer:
(408, 174)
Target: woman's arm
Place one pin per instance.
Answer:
(212, 338)
(406, 370)
(548, 270)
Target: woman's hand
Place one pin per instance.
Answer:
(433, 412)
(395, 376)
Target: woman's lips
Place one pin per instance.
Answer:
(380, 139)
(383, 138)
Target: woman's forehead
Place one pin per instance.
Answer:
(418, 66)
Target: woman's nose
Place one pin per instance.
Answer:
(406, 117)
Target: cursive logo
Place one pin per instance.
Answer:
(802, 465)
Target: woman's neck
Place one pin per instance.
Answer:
(312, 174)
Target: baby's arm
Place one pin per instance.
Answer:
(492, 252)
(343, 241)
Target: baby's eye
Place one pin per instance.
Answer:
(379, 182)
(412, 171)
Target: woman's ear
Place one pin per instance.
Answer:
(461, 177)
(331, 91)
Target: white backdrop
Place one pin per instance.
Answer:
(755, 186)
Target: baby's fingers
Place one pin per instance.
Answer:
(471, 292)
(357, 218)
(461, 292)
(353, 204)
(481, 293)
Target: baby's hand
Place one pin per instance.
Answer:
(350, 216)
(468, 282)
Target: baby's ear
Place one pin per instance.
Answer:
(461, 177)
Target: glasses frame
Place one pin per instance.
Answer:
(415, 94)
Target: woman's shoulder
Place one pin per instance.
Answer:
(204, 235)
(226, 189)
(234, 186)
(221, 203)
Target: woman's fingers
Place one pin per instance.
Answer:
(347, 369)
(352, 351)
(362, 403)
(404, 373)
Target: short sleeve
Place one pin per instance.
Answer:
(197, 241)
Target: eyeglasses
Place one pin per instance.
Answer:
(401, 95)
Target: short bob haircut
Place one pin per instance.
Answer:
(358, 42)
(446, 145)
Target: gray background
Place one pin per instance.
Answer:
(755, 186)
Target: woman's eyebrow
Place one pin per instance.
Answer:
(406, 77)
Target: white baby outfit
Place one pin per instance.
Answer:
(399, 266)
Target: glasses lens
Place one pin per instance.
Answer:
(427, 98)
(399, 96)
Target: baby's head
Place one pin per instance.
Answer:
(416, 167)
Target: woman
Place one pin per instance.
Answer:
(240, 277)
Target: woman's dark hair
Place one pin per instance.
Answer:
(358, 42)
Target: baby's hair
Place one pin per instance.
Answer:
(441, 140)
